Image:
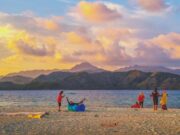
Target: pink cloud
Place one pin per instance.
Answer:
(161, 50)
(152, 5)
(170, 42)
(117, 55)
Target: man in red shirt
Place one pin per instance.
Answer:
(141, 98)
(59, 100)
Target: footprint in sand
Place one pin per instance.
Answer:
(109, 125)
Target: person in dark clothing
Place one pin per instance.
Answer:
(155, 95)
(73, 103)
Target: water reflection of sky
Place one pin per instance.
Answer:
(117, 98)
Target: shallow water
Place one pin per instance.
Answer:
(112, 98)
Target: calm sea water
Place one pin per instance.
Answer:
(112, 98)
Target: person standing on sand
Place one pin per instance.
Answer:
(59, 100)
(163, 101)
(140, 99)
(155, 95)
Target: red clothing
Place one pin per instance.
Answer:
(141, 98)
(135, 106)
(59, 98)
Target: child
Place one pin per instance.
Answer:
(141, 98)
(59, 100)
(163, 101)
(136, 105)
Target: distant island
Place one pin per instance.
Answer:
(86, 76)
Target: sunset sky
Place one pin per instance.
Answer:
(57, 34)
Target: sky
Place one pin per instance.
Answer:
(57, 34)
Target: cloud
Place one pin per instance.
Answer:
(4, 52)
(149, 54)
(116, 55)
(41, 50)
(25, 44)
(117, 49)
(161, 50)
(170, 42)
(114, 33)
(31, 23)
(152, 5)
(50, 25)
(76, 38)
(95, 12)
(130, 36)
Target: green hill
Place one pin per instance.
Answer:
(103, 80)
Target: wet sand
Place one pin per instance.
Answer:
(95, 121)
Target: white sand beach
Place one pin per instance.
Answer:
(95, 121)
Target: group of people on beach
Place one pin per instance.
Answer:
(139, 103)
(155, 97)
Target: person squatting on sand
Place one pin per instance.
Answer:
(137, 105)
(163, 100)
(140, 99)
(73, 103)
(59, 100)
(155, 95)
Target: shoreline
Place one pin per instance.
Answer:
(83, 89)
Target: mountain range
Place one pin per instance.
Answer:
(99, 81)
(31, 73)
(88, 76)
(149, 69)
(82, 67)
(16, 79)
(25, 77)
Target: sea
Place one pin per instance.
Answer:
(97, 98)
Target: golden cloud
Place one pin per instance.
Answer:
(96, 12)
(75, 38)
(26, 44)
(48, 24)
